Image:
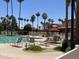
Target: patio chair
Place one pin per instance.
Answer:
(32, 41)
(17, 43)
(49, 40)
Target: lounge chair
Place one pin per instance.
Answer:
(32, 41)
(50, 40)
(17, 43)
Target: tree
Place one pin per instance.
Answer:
(72, 44)
(1, 27)
(49, 20)
(14, 23)
(21, 19)
(5, 23)
(37, 14)
(28, 27)
(77, 22)
(11, 8)
(60, 20)
(20, 2)
(39, 27)
(7, 2)
(44, 16)
(27, 20)
(65, 42)
(32, 20)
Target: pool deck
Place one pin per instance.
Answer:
(3, 57)
(10, 52)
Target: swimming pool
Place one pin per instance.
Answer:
(12, 39)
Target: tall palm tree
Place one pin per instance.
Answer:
(52, 21)
(27, 20)
(37, 14)
(49, 20)
(32, 20)
(22, 21)
(11, 8)
(60, 20)
(7, 2)
(12, 17)
(65, 42)
(66, 30)
(72, 23)
(77, 21)
(44, 16)
(20, 2)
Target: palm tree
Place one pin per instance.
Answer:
(60, 20)
(44, 16)
(39, 27)
(37, 14)
(12, 17)
(7, 2)
(27, 20)
(20, 2)
(49, 20)
(65, 42)
(66, 30)
(32, 20)
(52, 21)
(22, 21)
(72, 23)
(77, 22)
(11, 8)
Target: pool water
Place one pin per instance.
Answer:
(12, 39)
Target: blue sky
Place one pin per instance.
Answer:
(54, 8)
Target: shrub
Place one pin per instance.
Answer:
(65, 44)
(58, 48)
(67, 49)
(34, 48)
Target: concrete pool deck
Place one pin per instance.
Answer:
(17, 53)
(3, 57)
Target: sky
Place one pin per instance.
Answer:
(55, 9)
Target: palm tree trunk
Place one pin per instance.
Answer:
(44, 24)
(65, 42)
(32, 28)
(77, 23)
(37, 23)
(11, 16)
(19, 13)
(11, 8)
(72, 25)
(7, 16)
(66, 29)
(7, 9)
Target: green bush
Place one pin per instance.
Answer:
(67, 49)
(34, 48)
(60, 49)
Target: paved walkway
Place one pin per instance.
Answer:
(74, 54)
(18, 53)
(3, 57)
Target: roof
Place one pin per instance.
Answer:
(54, 30)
